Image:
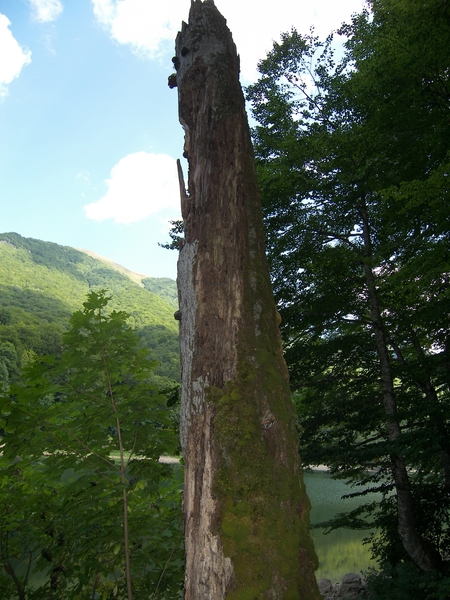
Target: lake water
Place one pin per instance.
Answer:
(341, 551)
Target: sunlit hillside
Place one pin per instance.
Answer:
(42, 284)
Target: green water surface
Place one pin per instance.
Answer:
(341, 551)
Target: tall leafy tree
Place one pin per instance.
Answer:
(353, 167)
(83, 437)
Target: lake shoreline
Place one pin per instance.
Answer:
(170, 460)
(316, 468)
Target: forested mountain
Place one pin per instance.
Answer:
(43, 283)
(164, 287)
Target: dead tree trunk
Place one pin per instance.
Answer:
(245, 507)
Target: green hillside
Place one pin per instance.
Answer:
(164, 287)
(42, 284)
(161, 286)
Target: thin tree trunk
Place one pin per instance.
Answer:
(245, 507)
(411, 539)
(19, 588)
(438, 420)
(126, 537)
(426, 387)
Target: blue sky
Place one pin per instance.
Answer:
(89, 130)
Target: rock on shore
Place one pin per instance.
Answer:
(352, 587)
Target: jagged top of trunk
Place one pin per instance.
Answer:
(205, 38)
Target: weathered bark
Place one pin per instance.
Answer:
(412, 541)
(245, 507)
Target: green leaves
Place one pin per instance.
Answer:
(352, 157)
(43, 283)
(83, 437)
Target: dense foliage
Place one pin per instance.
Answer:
(43, 283)
(163, 287)
(88, 511)
(353, 160)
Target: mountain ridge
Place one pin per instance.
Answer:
(43, 283)
(136, 277)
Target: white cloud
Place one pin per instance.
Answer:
(256, 27)
(12, 56)
(141, 184)
(143, 24)
(148, 25)
(45, 11)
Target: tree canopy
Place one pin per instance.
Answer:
(87, 508)
(353, 161)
